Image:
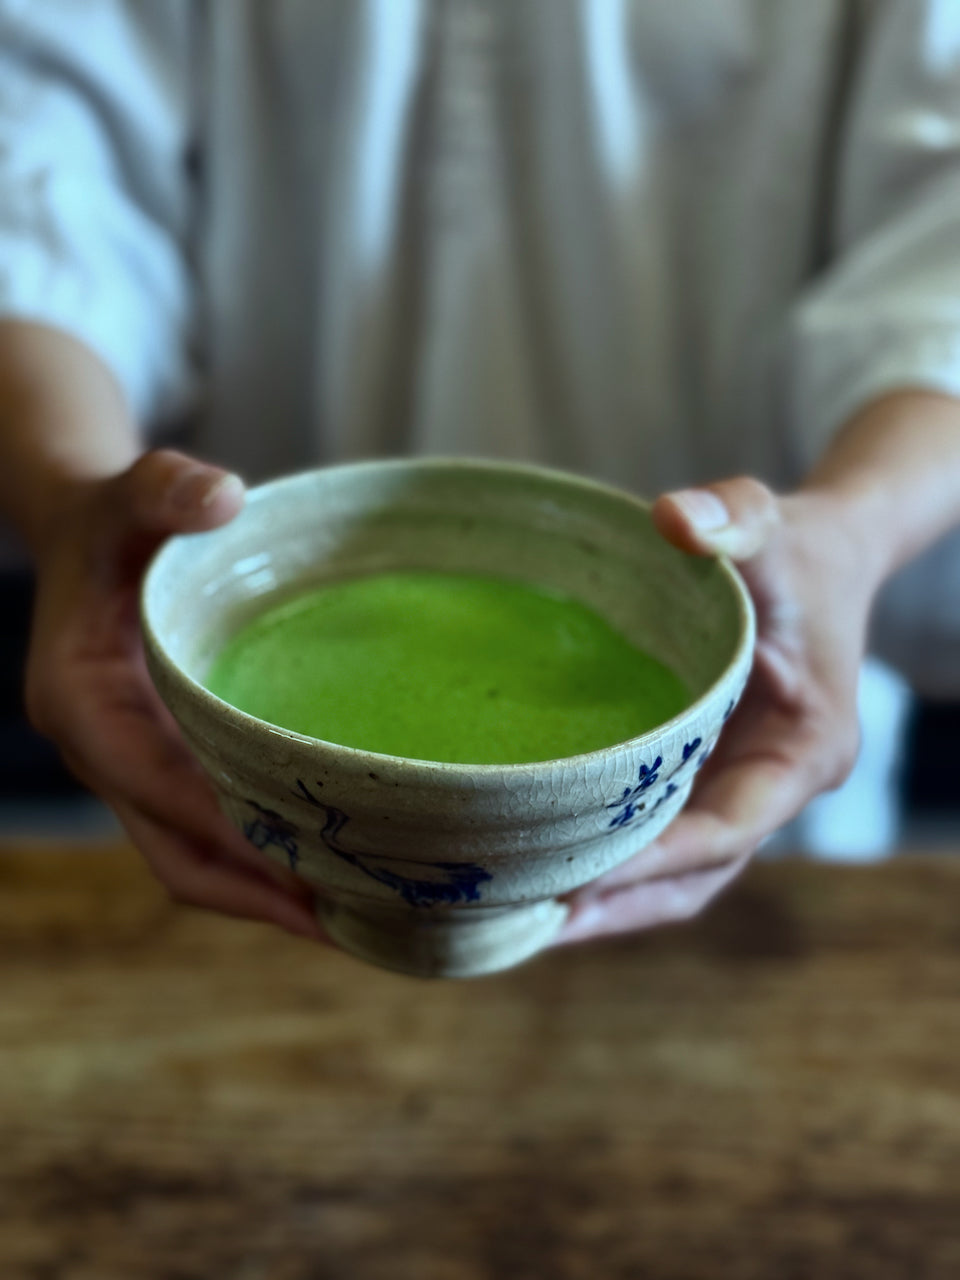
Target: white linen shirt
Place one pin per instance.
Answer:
(658, 243)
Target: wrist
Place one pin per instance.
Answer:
(64, 426)
(855, 529)
(889, 480)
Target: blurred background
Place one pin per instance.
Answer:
(903, 793)
(38, 797)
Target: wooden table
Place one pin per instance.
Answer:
(772, 1094)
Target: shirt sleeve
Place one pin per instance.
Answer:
(94, 199)
(885, 315)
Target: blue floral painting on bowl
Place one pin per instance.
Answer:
(457, 882)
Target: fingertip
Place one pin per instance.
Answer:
(734, 518)
(584, 921)
(690, 519)
(669, 522)
(296, 913)
(302, 924)
(166, 491)
(203, 497)
(222, 501)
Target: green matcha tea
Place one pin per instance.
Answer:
(442, 666)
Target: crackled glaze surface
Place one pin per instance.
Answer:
(433, 869)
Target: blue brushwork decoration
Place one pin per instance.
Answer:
(268, 829)
(460, 881)
(628, 805)
(631, 810)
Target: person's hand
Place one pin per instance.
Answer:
(796, 730)
(88, 688)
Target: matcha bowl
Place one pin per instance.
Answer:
(435, 869)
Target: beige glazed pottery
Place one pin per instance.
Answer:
(438, 869)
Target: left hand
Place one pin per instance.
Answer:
(88, 688)
(796, 730)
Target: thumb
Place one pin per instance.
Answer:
(735, 518)
(167, 492)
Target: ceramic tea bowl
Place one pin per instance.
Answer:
(437, 869)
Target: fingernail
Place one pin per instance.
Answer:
(702, 508)
(230, 485)
(199, 488)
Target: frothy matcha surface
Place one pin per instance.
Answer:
(450, 667)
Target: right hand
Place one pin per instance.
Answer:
(88, 687)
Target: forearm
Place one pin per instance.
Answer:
(891, 477)
(63, 420)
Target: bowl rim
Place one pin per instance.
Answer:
(433, 769)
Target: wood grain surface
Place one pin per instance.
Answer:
(770, 1094)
